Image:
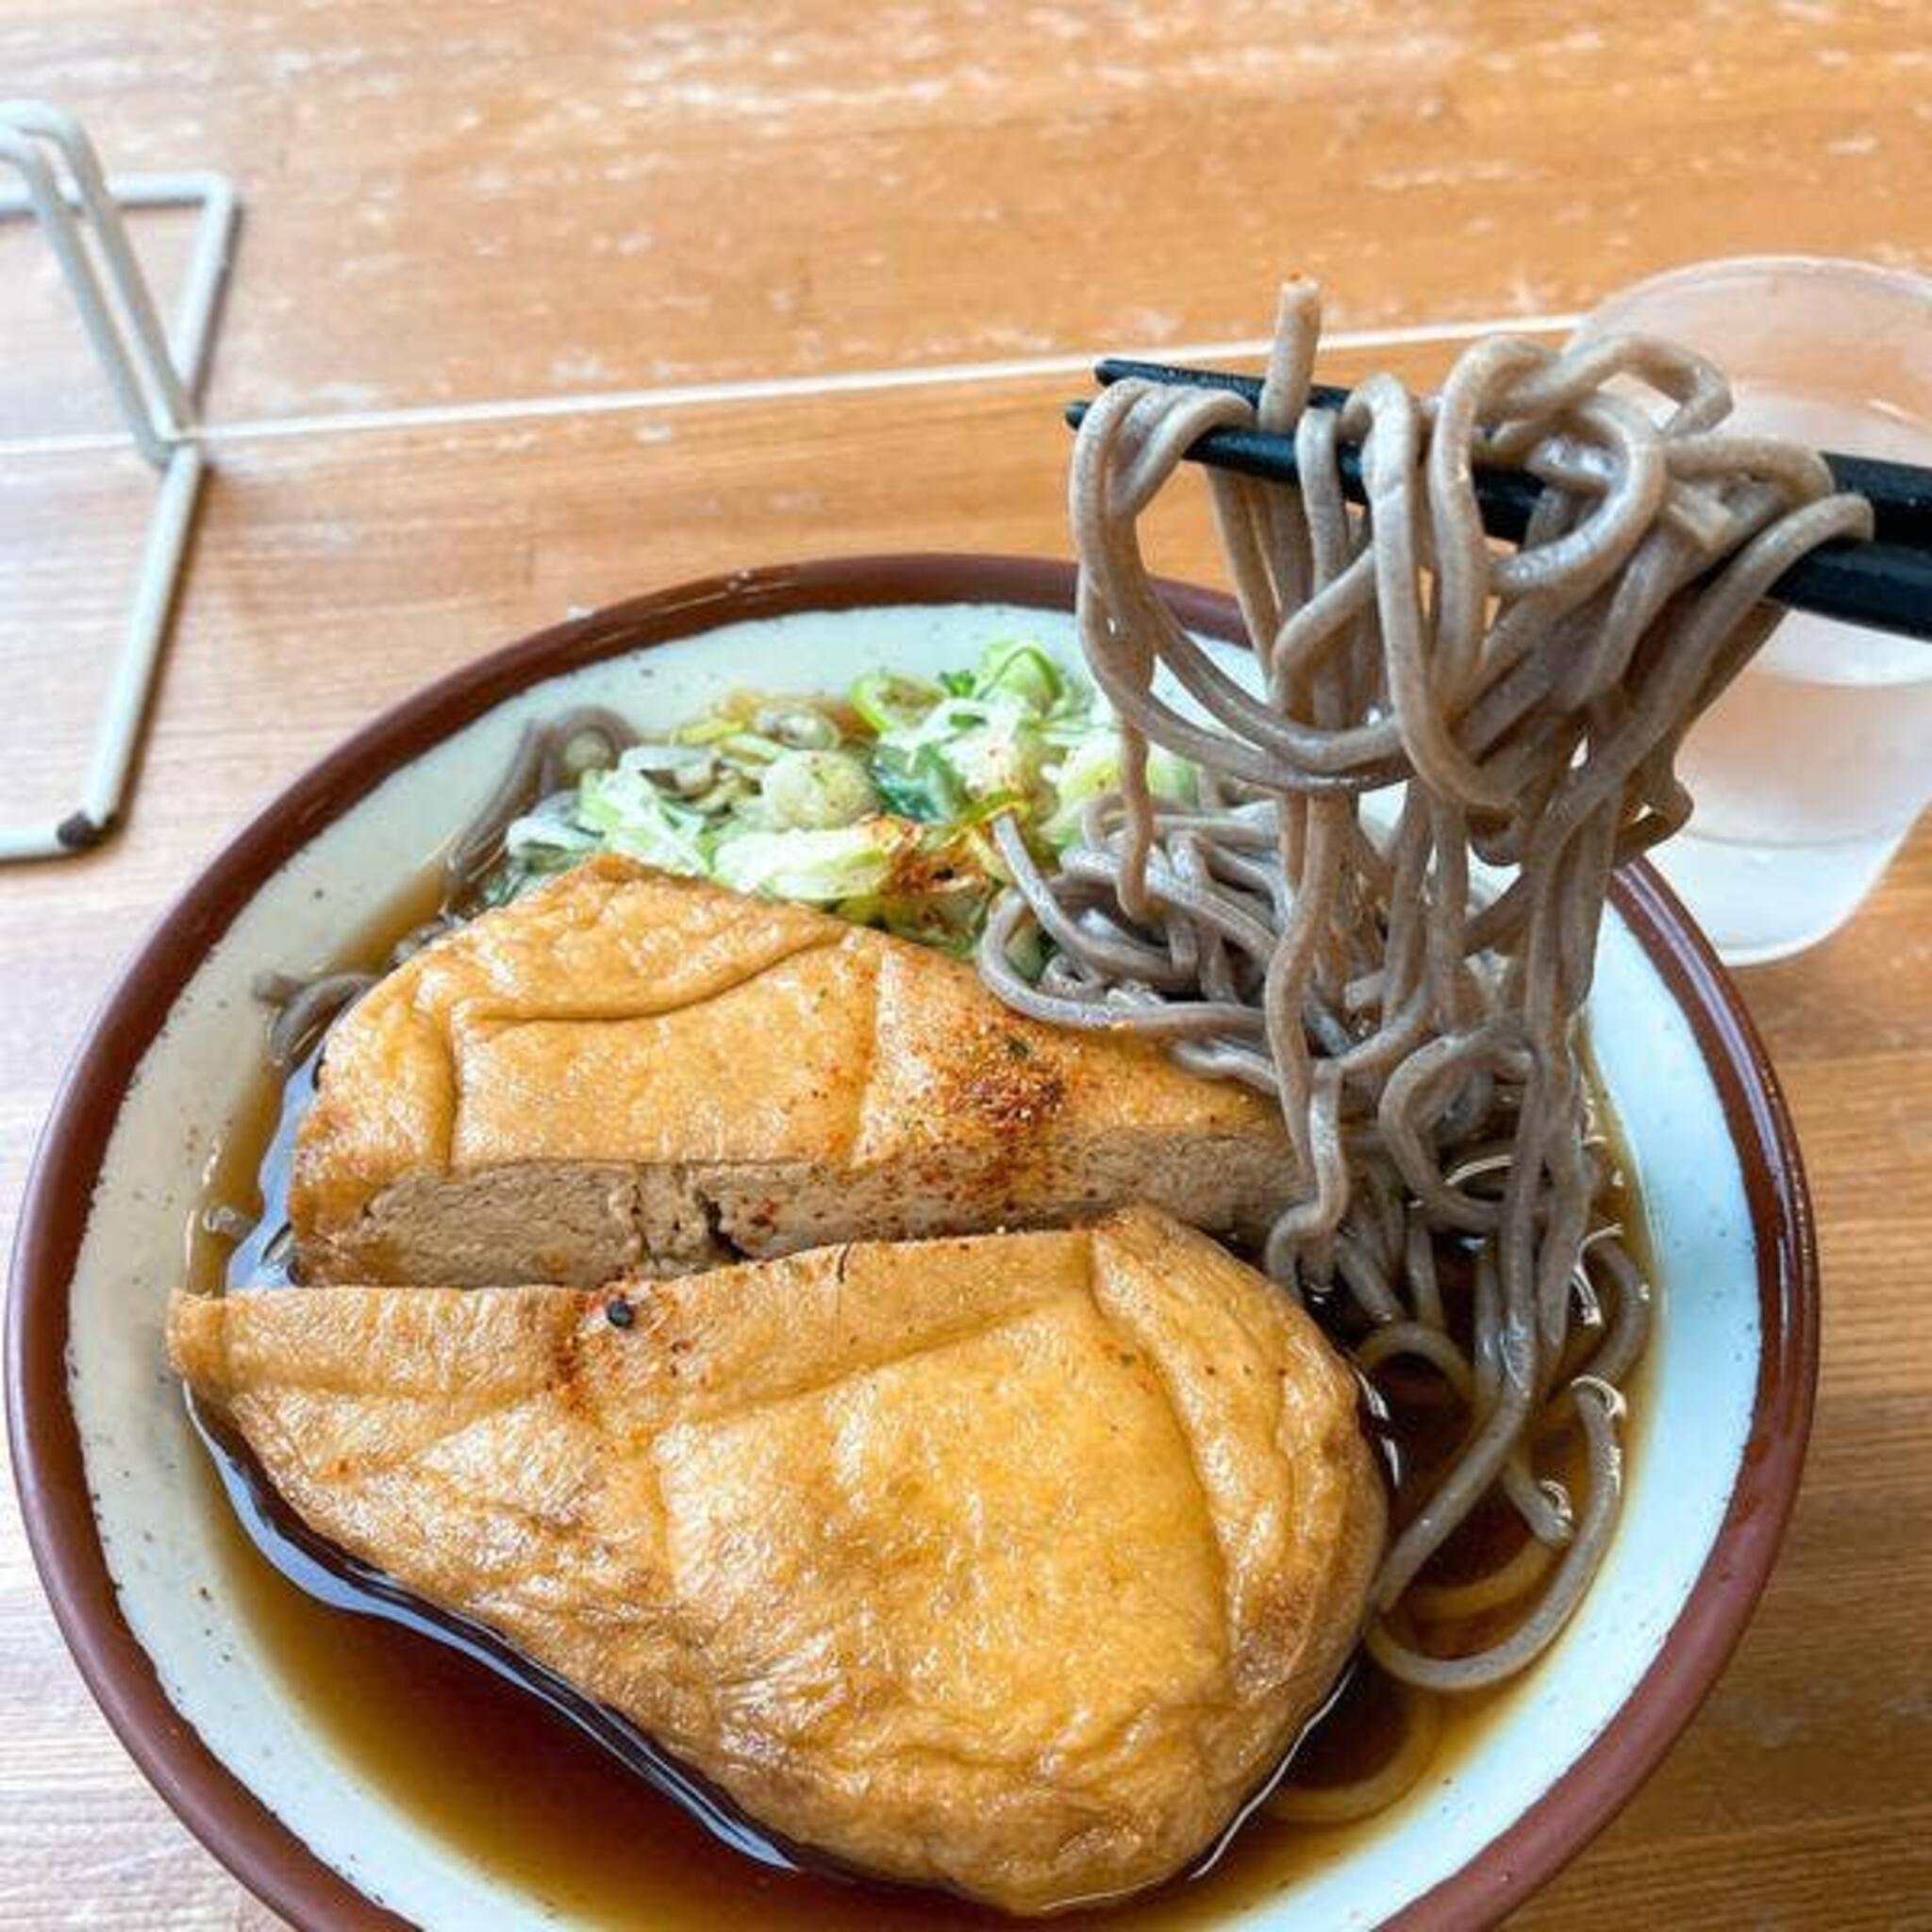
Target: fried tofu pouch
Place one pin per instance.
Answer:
(625, 1072)
(1009, 1564)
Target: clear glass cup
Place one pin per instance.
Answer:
(1810, 770)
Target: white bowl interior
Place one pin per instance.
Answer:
(159, 1540)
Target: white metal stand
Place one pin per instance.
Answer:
(156, 378)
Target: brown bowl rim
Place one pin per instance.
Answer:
(266, 1855)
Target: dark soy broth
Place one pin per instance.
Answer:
(505, 1771)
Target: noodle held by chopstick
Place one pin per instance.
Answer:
(1422, 1042)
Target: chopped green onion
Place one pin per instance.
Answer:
(817, 868)
(888, 701)
(1024, 671)
(817, 788)
(887, 822)
(751, 748)
(918, 785)
(803, 727)
(636, 819)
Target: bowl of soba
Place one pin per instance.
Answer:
(946, 1238)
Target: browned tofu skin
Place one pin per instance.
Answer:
(1009, 1564)
(628, 1072)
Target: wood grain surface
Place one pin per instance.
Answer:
(533, 210)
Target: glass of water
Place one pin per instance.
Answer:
(1810, 769)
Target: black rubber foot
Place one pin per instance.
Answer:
(78, 832)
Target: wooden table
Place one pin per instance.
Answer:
(490, 262)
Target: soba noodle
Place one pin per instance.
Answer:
(1421, 1038)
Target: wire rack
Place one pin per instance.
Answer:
(156, 376)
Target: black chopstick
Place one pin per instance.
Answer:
(1883, 585)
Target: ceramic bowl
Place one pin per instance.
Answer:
(123, 1536)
